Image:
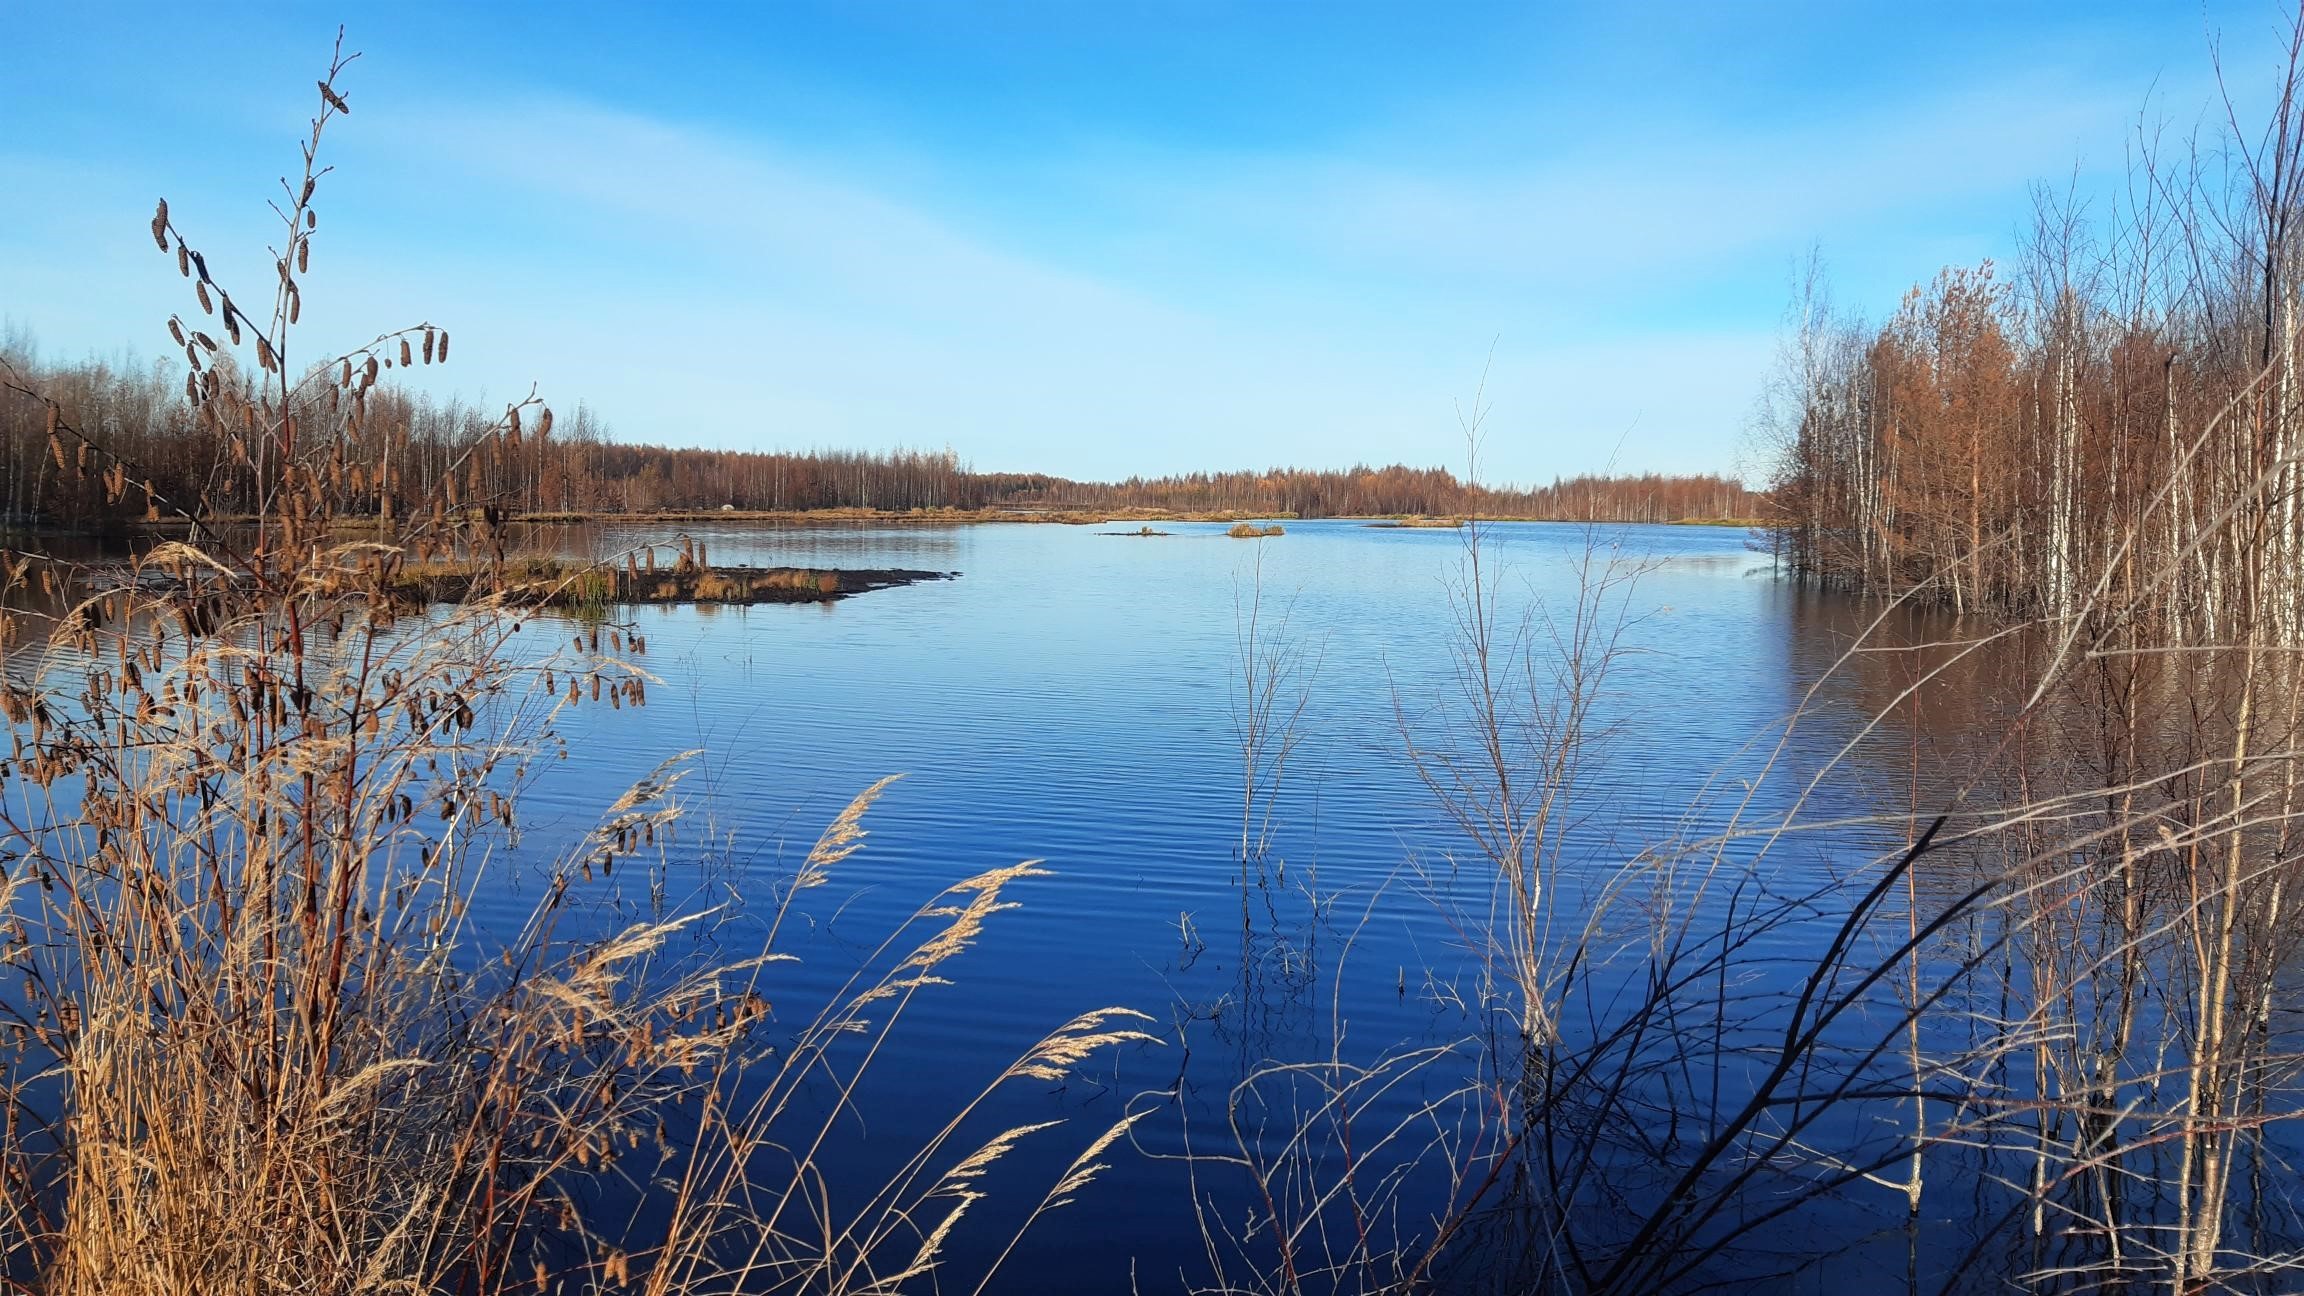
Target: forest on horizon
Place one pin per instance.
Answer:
(574, 465)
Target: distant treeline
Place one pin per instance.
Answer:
(2123, 407)
(415, 449)
(1367, 492)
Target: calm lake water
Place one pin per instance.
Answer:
(1072, 697)
(1075, 697)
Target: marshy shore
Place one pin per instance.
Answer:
(557, 582)
(524, 581)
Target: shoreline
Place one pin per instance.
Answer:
(892, 517)
(556, 582)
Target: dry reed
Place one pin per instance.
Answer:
(256, 1040)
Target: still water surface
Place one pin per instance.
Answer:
(1072, 697)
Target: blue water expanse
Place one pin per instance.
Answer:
(1071, 697)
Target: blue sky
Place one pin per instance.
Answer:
(1089, 238)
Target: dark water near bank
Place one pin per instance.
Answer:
(1073, 697)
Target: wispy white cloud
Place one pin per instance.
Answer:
(1139, 311)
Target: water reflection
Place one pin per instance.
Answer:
(1076, 698)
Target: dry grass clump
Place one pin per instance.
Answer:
(741, 585)
(592, 588)
(526, 579)
(262, 1048)
(714, 587)
(802, 578)
(1251, 531)
(254, 1040)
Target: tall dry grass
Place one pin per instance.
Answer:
(255, 1038)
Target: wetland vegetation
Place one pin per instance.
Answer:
(1906, 899)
